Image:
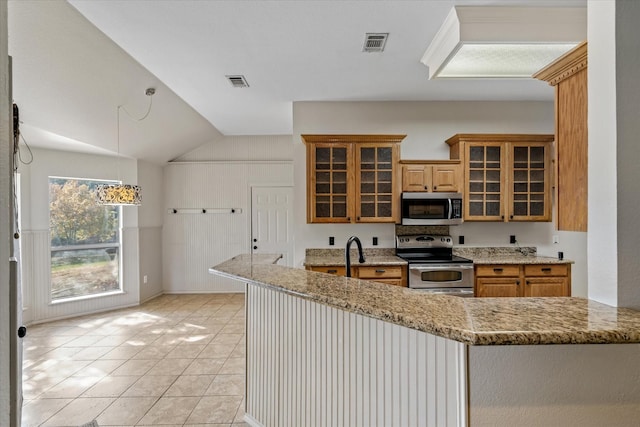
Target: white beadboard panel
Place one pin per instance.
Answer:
(192, 243)
(258, 147)
(37, 280)
(150, 262)
(313, 365)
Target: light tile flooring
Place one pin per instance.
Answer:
(177, 360)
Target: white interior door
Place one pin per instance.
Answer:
(272, 222)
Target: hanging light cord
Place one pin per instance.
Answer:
(149, 92)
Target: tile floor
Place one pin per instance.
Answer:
(177, 360)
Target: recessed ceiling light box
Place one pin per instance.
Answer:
(503, 42)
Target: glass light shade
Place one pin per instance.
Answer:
(507, 60)
(119, 194)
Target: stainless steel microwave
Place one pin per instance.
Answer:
(431, 208)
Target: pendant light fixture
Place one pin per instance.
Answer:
(123, 194)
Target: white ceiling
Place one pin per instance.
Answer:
(74, 63)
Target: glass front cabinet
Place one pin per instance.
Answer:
(507, 177)
(353, 178)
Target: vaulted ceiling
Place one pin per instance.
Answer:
(75, 62)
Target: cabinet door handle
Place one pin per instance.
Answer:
(426, 187)
(547, 269)
(381, 270)
(502, 217)
(528, 282)
(434, 187)
(518, 282)
(348, 218)
(255, 247)
(510, 216)
(332, 271)
(497, 270)
(357, 218)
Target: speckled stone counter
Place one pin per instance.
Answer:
(474, 321)
(506, 255)
(331, 257)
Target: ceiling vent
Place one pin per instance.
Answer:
(374, 42)
(238, 81)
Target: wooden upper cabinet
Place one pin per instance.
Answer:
(506, 176)
(435, 175)
(353, 178)
(569, 76)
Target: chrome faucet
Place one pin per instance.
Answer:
(347, 254)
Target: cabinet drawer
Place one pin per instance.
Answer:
(380, 272)
(497, 270)
(545, 270)
(337, 270)
(394, 282)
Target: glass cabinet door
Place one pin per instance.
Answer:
(331, 187)
(529, 183)
(374, 183)
(484, 182)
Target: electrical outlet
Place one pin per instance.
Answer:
(512, 238)
(332, 241)
(556, 239)
(375, 241)
(145, 279)
(461, 240)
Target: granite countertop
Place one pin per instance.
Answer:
(473, 321)
(331, 257)
(506, 255)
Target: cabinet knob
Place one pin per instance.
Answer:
(22, 331)
(255, 240)
(426, 187)
(358, 219)
(528, 282)
(434, 187)
(517, 282)
(502, 217)
(510, 216)
(255, 247)
(348, 218)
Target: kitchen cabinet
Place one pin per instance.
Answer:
(432, 176)
(523, 280)
(568, 74)
(507, 177)
(389, 274)
(353, 178)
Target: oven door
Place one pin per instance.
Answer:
(441, 276)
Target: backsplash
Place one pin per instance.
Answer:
(372, 252)
(435, 230)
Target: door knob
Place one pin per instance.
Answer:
(22, 331)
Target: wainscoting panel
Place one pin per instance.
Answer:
(192, 243)
(36, 280)
(313, 365)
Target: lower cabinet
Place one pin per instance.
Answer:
(523, 280)
(389, 274)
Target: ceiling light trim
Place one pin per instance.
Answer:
(467, 25)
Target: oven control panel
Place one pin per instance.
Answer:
(424, 241)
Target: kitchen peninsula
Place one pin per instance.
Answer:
(328, 350)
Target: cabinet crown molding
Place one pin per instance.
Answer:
(351, 138)
(564, 67)
(500, 137)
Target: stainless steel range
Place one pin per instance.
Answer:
(433, 267)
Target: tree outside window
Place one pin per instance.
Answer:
(85, 240)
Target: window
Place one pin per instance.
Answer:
(85, 240)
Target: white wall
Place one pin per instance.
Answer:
(35, 232)
(427, 125)
(216, 175)
(628, 150)
(554, 385)
(5, 214)
(150, 216)
(603, 222)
